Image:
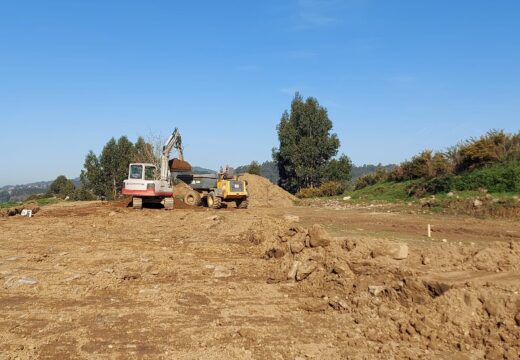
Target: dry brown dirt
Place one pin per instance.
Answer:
(100, 280)
(263, 193)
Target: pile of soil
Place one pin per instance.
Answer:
(391, 293)
(263, 193)
(181, 189)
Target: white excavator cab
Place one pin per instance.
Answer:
(142, 172)
(143, 185)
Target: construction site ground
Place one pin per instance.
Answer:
(101, 280)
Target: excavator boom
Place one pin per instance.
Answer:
(174, 141)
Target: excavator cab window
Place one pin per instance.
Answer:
(149, 173)
(136, 172)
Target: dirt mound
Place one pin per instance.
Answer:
(181, 189)
(379, 284)
(18, 210)
(263, 193)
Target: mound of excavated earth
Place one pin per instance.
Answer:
(389, 301)
(181, 189)
(263, 193)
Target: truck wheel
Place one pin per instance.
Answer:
(214, 201)
(137, 203)
(242, 204)
(192, 198)
(168, 203)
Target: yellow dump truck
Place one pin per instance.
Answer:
(214, 189)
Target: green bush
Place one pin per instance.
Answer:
(306, 193)
(380, 175)
(83, 194)
(386, 191)
(496, 179)
(332, 188)
(501, 178)
(329, 188)
(439, 185)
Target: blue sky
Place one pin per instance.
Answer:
(396, 76)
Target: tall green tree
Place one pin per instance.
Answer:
(125, 155)
(61, 187)
(339, 169)
(143, 152)
(104, 175)
(109, 161)
(306, 144)
(114, 160)
(92, 176)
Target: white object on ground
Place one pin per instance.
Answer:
(26, 212)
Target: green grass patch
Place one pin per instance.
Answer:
(387, 191)
(39, 201)
(7, 205)
(47, 201)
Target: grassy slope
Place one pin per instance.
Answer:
(397, 192)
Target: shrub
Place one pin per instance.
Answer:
(438, 185)
(329, 188)
(381, 175)
(83, 194)
(490, 148)
(497, 179)
(501, 178)
(332, 188)
(306, 193)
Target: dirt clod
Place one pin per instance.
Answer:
(393, 250)
(305, 269)
(318, 236)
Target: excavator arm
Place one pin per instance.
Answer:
(174, 141)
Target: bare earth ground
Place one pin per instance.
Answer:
(99, 280)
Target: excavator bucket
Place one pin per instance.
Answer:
(178, 165)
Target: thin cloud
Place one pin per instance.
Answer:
(315, 12)
(319, 13)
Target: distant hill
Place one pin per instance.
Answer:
(16, 193)
(201, 170)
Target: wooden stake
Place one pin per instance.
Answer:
(429, 231)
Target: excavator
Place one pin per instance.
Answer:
(142, 184)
